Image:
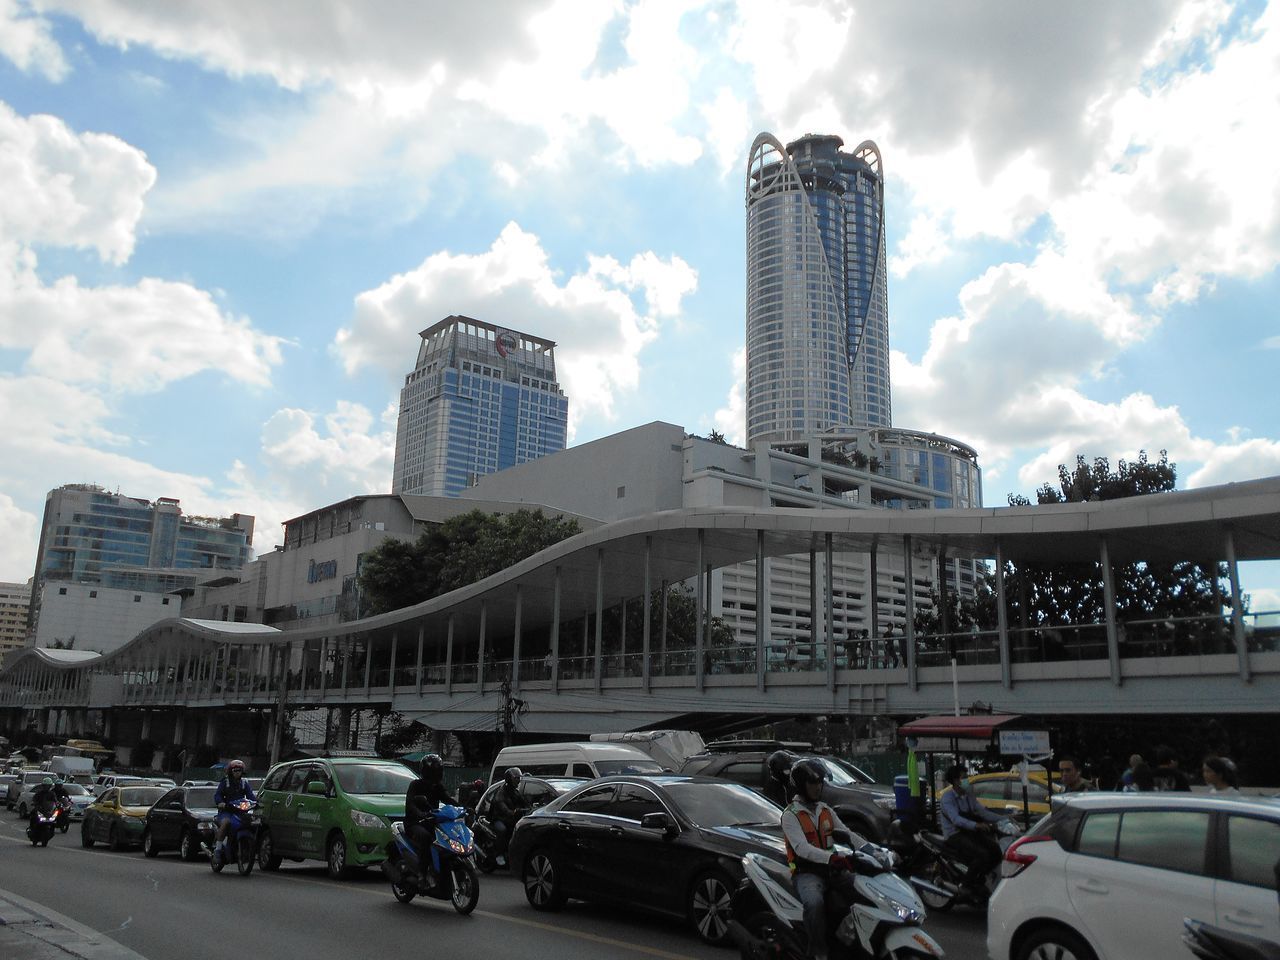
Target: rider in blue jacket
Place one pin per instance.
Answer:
(231, 791)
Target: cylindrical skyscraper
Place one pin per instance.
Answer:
(817, 303)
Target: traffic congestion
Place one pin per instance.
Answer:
(765, 849)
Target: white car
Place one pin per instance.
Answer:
(108, 780)
(1111, 876)
(80, 798)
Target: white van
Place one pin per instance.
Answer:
(79, 769)
(588, 760)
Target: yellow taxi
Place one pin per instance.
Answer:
(119, 816)
(1002, 792)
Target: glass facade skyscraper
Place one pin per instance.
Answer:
(481, 398)
(817, 299)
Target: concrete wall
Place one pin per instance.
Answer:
(628, 474)
(99, 618)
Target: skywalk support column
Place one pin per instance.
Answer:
(484, 616)
(909, 628)
(598, 660)
(1002, 622)
(700, 604)
(448, 656)
(828, 563)
(1237, 610)
(873, 591)
(555, 633)
(1109, 604)
(422, 637)
(391, 666)
(515, 641)
(813, 609)
(762, 611)
(662, 638)
(648, 604)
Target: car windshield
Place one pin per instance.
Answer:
(200, 798)
(373, 778)
(75, 790)
(140, 796)
(723, 805)
(636, 768)
(841, 775)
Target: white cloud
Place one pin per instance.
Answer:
(353, 454)
(67, 189)
(592, 315)
(1242, 460)
(19, 532)
(925, 243)
(27, 40)
(731, 419)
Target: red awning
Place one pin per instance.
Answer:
(976, 727)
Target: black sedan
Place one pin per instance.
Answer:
(672, 845)
(181, 820)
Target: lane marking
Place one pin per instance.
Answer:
(440, 905)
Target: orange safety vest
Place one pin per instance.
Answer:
(818, 835)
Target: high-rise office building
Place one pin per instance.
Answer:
(817, 298)
(481, 398)
(15, 601)
(89, 535)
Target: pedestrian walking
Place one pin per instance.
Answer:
(890, 648)
(789, 656)
(1126, 778)
(1168, 778)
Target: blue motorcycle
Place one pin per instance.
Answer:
(448, 873)
(242, 840)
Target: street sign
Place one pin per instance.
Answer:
(1024, 743)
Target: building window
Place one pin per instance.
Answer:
(137, 598)
(622, 492)
(62, 591)
(165, 601)
(93, 594)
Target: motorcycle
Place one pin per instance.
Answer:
(43, 823)
(64, 814)
(486, 846)
(884, 922)
(949, 877)
(1214, 943)
(242, 839)
(447, 874)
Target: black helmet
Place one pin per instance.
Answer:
(806, 771)
(511, 776)
(780, 762)
(432, 768)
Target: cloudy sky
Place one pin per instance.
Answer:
(223, 224)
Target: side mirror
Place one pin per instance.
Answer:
(317, 788)
(658, 821)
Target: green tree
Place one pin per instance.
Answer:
(460, 551)
(1072, 593)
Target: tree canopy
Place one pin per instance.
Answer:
(462, 550)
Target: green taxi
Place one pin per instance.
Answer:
(338, 810)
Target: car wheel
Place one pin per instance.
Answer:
(86, 838)
(149, 848)
(1055, 943)
(267, 858)
(711, 906)
(336, 856)
(113, 838)
(187, 846)
(543, 886)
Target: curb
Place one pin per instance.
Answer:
(25, 923)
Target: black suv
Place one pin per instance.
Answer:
(860, 803)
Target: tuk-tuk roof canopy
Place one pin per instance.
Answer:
(968, 727)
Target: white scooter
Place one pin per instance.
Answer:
(885, 921)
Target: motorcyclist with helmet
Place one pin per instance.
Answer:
(421, 800)
(46, 796)
(506, 808)
(969, 828)
(232, 790)
(778, 787)
(810, 828)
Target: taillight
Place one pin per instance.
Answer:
(1016, 859)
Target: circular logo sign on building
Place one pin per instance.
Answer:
(506, 342)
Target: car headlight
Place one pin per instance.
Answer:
(369, 820)
(886, 803)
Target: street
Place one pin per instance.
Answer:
(169, 910)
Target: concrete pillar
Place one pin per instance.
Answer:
(1002, 622)
(647, 611)
(1109, 604)
(343, 735)
(515, 641)
(828, 562)
(909, 628)
(179, 726)
(484, 616)
(700, 604)
(146, 725)
(599, 654)
(448, 657)
(422, 638)
(1237, 608)
(762, 611)
(814, 612)
(873, 591)
(555, 630)
(210, 727)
